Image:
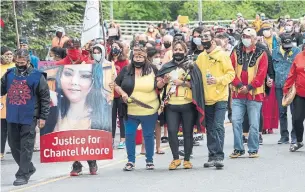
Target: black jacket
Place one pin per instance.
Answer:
(270, 71)
(196, 86)
(42, 105)
(126, 80)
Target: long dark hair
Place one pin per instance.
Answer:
(122, 56)
(147, 67)
(193, 45)
(100, 113)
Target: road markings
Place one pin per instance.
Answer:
(68, 176)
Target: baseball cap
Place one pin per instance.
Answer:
(249, 32)
(239, 15)
(286, 40)
(23, 41)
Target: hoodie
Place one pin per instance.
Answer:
(218, 64)
(59, 42)
(109, 73)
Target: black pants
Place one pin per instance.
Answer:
(298, 117)
(3, 134)
(117, 109)
(246, 125)
(21, 139)
(230, 105)
(175, 114)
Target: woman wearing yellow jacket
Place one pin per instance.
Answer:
(6, 63)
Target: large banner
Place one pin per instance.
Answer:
(79, 125)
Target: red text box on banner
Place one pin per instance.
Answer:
(76, 145)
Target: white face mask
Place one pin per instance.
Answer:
(197, 41)
(246, 42)
(288, 28)
(97, 57)
(156, 61)
(267, 33)
(297, 30)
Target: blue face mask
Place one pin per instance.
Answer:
(197, 41)
(158, 40)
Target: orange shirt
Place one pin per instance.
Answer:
(4, 68)
(56, 42)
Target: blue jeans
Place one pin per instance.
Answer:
(215, 117)
(283, 116)
(148, 123)
(239, 107)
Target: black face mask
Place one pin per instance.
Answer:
(178, 56)
(138, 64)
(115, 51)
(143, 43)
(206, 45)
(167, 45)
(21, 68)
(287, 49)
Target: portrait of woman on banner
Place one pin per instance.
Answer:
(79, 99)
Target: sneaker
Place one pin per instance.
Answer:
(93, 167)
(196, 143)
(219, 164)
(76, 169)
(20, 181)
(293, 140)
(245, 140)
(283, 140)
(129, 167)
(295, 147)
(174, 164)
(260, 139)
(150, 166)
(253, 155)
(187, 165)
(210, 163)
(237, 154)
(164, 139)
(121, 145)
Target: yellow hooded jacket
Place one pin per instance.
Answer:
(219, 65)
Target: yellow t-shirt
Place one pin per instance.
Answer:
(220, 66)
(144, 91)
(4, 68)
(178, 98)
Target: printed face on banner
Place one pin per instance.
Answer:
(80, 111)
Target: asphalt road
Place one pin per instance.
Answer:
(277, 170)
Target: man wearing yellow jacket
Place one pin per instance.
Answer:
(217, 72)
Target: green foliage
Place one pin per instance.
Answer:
(36, 18)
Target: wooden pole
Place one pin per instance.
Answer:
(16, 23)
(103, 28)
